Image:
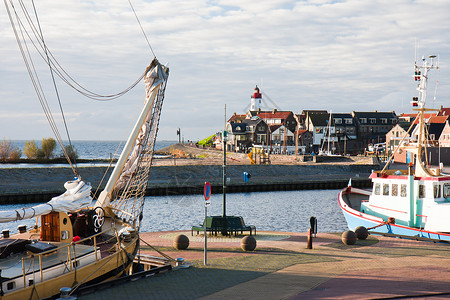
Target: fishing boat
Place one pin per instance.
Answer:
(79, 240)
(412, 203)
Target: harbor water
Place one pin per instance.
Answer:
(287, 211)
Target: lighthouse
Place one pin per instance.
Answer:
(256, 101)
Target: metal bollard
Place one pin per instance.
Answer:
(309, 243)
(313, 222)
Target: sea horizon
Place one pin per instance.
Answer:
(93, 149)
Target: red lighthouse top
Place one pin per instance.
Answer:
(257, 94)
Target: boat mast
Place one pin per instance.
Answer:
(421, 75)
(157, 71)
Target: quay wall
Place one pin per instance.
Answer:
(22, 185)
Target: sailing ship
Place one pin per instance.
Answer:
(327, 134)
(413, 203)
(79, 240)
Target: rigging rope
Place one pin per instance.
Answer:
(56, 91)
(44, 52)
(143, 32)
(34, 77)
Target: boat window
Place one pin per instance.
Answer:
(422, 191)
(446, 192)
(437, 191)
(386, 189)
(403, 192)
(395, 190)
(377, 189)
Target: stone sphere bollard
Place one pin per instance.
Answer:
(181, 242)
(361, 233)
(248, 243)
(349, 237)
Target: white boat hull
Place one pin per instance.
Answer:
(349, 199)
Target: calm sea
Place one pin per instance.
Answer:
(95, 149)
(287, 211)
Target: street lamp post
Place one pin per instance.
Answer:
(224, 179)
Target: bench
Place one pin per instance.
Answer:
(215, 224)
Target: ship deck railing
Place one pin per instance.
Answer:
(68, 254)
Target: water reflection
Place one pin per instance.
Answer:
(278, 211)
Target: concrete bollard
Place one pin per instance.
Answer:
(361, 233)
(248, 243)
(349, 237)
(181, 242)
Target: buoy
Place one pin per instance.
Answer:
(349, 237)
(248, 243)
(361, 233)
(181, 242)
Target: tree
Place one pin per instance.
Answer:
(30, 150)
(8, 152)
(47, 148)
(71, 152)
(15, 154)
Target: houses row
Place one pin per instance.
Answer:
(322, 131)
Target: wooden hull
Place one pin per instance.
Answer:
(103, 269)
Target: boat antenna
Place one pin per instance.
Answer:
(140, 25)
(57, 94)
(437, 83)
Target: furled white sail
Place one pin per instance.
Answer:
(125, 189)
(78, 195)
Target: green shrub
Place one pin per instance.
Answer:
(47, 148)
(30, 150)
(71, 152)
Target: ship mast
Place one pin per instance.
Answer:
(159, 74)
(421, 75)
(419, 148)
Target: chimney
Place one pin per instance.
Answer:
(274, 110)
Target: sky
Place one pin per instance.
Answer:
(341, 56)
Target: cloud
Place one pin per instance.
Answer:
(316, 54)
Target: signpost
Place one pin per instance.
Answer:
(207, 194)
